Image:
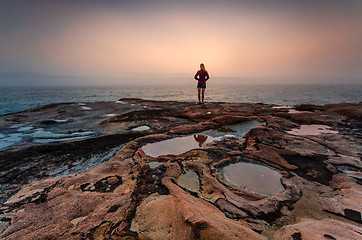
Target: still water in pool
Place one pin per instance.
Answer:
(253, 177)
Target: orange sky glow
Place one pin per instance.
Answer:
(233, 42)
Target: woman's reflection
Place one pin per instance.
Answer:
(200, 139)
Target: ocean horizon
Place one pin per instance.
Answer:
(15, 99)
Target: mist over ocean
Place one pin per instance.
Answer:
(15, 99)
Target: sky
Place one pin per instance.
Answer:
(47, 42)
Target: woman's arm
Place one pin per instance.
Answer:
(197, 73)
(207, 76)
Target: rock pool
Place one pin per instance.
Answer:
(141, 128)
(176, 146)
(236, 130)
(155, 165)
(179, 145)
(256, 178)
(313, 129)
(190, 181)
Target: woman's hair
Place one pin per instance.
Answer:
(202, 66)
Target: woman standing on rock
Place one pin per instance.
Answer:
(201, 76)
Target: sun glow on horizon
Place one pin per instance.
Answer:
(231, 41)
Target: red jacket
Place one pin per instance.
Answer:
(202, 76)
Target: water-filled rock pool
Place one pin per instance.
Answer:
(255, 178)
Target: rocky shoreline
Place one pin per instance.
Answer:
(131, 170)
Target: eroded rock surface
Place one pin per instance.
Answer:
(319, 229)
(132, 195)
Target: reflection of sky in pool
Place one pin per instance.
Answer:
(255, 178)
(236, 130)
(155, 165)
(190, 181)
(313, 129)
(176, 146)
(242, 128)
(179, 145)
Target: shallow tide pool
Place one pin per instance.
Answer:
(236, 130)
(190, 181)
(255, 178)
(313, 129)
(176, 146)
(179, 145)
(141, 128)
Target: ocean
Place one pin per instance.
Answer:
(15, 99)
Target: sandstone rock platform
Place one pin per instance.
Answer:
(52, 190)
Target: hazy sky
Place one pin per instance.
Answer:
(127, 42)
